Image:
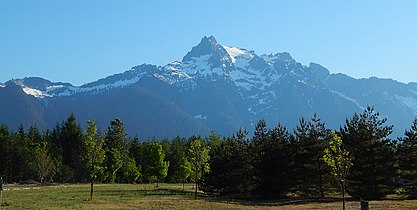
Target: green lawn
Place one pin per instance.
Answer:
(167, 196)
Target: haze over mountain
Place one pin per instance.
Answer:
(214, 87)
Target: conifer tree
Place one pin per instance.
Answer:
(71, 141)
(374, 170)
(311, 139)
(407, 158)
(230, 167)
(4, 143)
(275, 163)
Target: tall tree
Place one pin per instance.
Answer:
(275, 163)
(198, 155)
(374, 169)
(340, 161)
(407, 158)
(92, 154)
(312, 138)
(71, 141)
(117, 161)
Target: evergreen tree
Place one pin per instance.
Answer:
(312, 138)
(374, 170)
(230, 169)
(4, 143)
(116, 137)
(275, 163)
(407, 157)
(112, 162)
(116, 145)
(135, 153)
(71, 142)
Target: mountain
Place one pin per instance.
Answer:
(214, 87)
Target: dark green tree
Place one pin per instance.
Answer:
(374, 169)
(231, 169)
(71, 142)
(311, 171)
(275, 163)
(116, 144)
(407, 158)
(4, 143)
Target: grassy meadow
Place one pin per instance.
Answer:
(167, 196)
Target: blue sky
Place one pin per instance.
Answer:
(79, 41)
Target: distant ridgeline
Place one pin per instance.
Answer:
(214, 87)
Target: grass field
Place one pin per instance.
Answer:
(167, 196)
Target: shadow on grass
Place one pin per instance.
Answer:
(219, 199)
(150, 192)
(272, 202)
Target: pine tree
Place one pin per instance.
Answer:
(71, 141)
(275, 163)
(407, 157)
(230, 167)
(117, 150)
(373, 171)
(311, 139)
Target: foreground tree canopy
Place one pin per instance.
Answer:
(272, 162)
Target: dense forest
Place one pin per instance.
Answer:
(312, 160)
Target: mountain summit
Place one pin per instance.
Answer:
(214, 87)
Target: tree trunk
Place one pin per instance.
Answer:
(91, 190)
(196, 186)
(343, 195)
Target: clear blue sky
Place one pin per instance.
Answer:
(79, 41)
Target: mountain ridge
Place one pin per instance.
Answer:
(223, 88)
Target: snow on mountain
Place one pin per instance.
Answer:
(35, 92)
(234, 52)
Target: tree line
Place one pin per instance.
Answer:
(312, 160)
